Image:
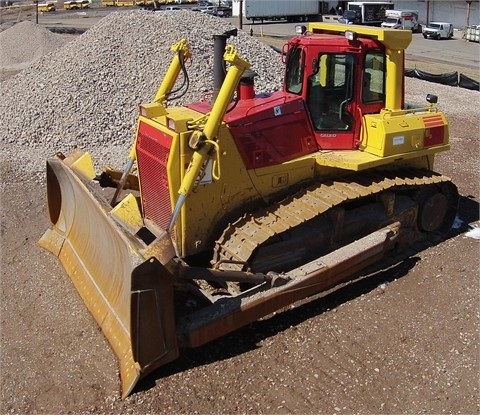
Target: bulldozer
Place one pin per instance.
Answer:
(233, 207)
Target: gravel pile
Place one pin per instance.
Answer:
(26, 43)
(86, 94)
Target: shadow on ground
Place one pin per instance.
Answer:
(247, 338)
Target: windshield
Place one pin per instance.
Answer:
(433, 26)
(391, 20)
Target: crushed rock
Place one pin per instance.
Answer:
(86, 93)
(25, 43)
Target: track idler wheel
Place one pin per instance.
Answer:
(437, 207)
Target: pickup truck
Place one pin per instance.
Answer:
(438, 30)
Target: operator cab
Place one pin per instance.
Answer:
(339, 78)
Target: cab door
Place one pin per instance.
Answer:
(331, 101)
(342, 88)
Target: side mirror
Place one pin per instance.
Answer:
(432, 99)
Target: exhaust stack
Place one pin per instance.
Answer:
(219, 68)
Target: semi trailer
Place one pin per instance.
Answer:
(267, 10)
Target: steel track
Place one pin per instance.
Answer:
(241, 238)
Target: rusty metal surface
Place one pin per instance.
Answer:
(316, 276)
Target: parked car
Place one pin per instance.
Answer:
(207, 9)
(217, 11)
(438, 30)
(222, 11)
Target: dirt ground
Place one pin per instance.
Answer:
(404, 340)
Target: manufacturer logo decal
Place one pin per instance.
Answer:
(324, 135)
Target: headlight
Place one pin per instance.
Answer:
(350, 35)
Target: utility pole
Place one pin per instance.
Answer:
(36, 11)
(469, 3)
(240, 15)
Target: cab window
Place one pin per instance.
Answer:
(373, 84)
(294, 70)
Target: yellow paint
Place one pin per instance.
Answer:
(76, 4)
(152, 110)
(98, 256)
(359, 160)
(84, 166)
(403, 132)
(46, 7)
(182, 53)
(391, 38)
(128, 212)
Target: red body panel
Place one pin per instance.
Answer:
(269, 130)
(272, 132)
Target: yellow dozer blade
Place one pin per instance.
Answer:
(103, 257)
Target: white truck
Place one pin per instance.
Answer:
(365, 13)
(291, 11)
(401, 19)
(438, 30)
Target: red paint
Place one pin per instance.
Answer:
(153, 148)
(269, 131)
(435, 130)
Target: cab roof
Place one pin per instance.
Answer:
(392, 38)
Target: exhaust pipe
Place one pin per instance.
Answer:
(219, 68)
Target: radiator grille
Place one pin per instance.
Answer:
(153, 148)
